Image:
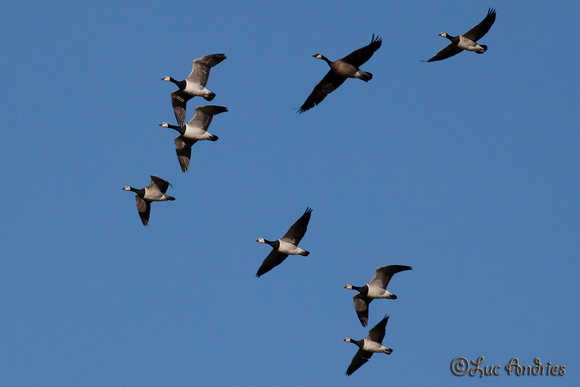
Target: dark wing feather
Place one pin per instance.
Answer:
(358, 57)
(201, 66)
(204, 114)
(160, 183)
(144, 208)
(327, 85)
(360, 358)
(384, 274)
(272, 260)
(183, 150)
(178, 101)
(377, 333)
(361, 306)
(446, 52)
(298, 229)
(477, 32)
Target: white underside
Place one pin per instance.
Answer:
(289, 248)
(372, 346)
(155, 197)
(194, 133)
(468, 44)
(196, 89)
(376, 292)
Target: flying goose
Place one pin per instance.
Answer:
(154, 192)
(287, 245)
(376, 288)
(467, 41)
(369, 345)
(193, 85)
(195, 130)
(347, 67)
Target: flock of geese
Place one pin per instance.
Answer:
(196, 130)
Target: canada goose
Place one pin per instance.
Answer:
(287, 245)
(193, 85)
(467, 41)
(195, 130)
(154, 192)
(369, 345)
(347, 67)
(376, 288)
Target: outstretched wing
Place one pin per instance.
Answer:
(183, 150)
(360, 56)
(361, 307)
(360, 358)
(159, 183)
(327, 85)
(178, 101)
(204, 114)
(384, 274)
(377, 333)
(201, 66)
(144, 208)
(477, 32)
(446, 52)
(298, 229)
(272, 260)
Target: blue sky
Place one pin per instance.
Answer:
(465, 169)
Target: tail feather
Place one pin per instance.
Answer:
(484, 49)
(367, 76)
(213, 138)
(209, 97)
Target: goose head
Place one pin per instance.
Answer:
(261, 240)
(180, 129)
(166, 79)
(444, 34)
(127, 188)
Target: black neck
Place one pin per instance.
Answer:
(326, 59)
(364, 290)
(454, 39)
(180, 84)
(274, 244)
(180, 129)
(139, 192)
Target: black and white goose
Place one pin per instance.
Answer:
(193, 85)
(195, 130)
(373, 343)
(340, 70)
(154, 192)
(467, 41)
(376, 288)
(287, 245)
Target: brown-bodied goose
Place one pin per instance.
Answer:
(195, 130)
(376, 288)
(373, 343)
(467, 41)
(287, 245)
(154, 192)
(347, 67)
(193, 85)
